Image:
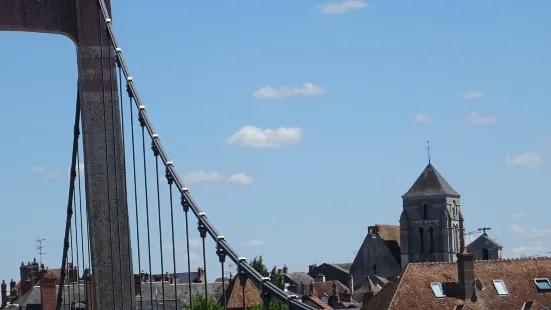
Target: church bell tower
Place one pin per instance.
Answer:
(431, 224)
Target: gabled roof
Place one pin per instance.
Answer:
(412, 289)
(430, 183)
(234, 294)
(484, 242)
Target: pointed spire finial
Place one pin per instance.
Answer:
(428, 148)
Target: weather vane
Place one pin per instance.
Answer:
(428, 149)
(484, 229)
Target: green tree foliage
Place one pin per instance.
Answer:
(259, 266)
(275, 278)
(199, 304)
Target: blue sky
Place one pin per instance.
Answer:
(298, 125)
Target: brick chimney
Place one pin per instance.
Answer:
(88, 289)
(320, 277)
(312, 289)
(465, 274)
(48, 290)
(285, 269)
(311, 268)
(4, 294)
(200, 274)
(334, 299)
(26, 286)
(137, 285)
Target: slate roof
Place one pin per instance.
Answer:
(430, 183)
(298, 277)
(214, 289)
(484, 242)
(345, 266)
(411, 290)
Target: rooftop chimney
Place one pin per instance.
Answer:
(88, 288)
(367, 296)
(48, 291)
(311, 268)
(465, 274)
(12, 284)
(320, 277)
(137, 285)
(4, 294)
(312, 289)
(231, 275)
(26, 286)
(285, 269)
(200, 274)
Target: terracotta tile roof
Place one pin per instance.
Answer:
(318, 302)
(321, 288)
(234, 294)
(412, 289)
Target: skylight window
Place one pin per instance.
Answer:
(437, 289)
(543, 284)
(500, 287)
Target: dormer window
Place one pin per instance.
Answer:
(543, 284)
(500, 288)
(437, 289)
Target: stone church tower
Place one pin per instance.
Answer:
(431, 224)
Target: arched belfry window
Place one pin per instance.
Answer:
(421, 240)
(431, 241)
(425, 211)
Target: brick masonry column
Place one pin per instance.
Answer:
(113, 281)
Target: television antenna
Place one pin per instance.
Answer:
(39, 249)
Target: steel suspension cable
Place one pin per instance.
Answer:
(76, 233)
(156, 154)
(135, 190)
(79, 175)
(185, 206)
(76, 135)
(71, 284)
(203, 234)
(142, 124)
(170, 182)
(107, 160)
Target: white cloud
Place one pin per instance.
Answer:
(476, 119)
(202, 176)
(472, 95)
(516, 216)
(421, 118)
(38, 169)
(530, 250)
(342, 7)
(533, 233)
(240, 178)
(255, 137)
(253, 243)
(270, 92)
(517, 229)
(529, 159)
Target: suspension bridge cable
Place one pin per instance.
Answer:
(135, 191)
(170, 182)
(203, 234)
(76, 232)
(142, 124)
(107, 160)
(72, 235)
(185, 206)
(222, 260)
(156, 154)
(76, 134)
(82, 230)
